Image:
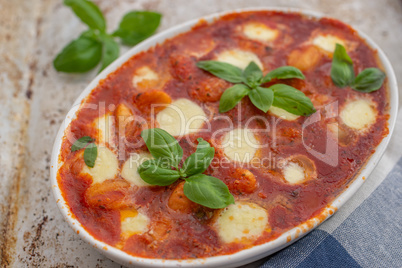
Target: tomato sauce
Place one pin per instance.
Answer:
(192, 235)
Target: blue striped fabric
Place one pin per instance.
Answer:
(371, 236)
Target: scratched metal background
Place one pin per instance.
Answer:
(34, 99)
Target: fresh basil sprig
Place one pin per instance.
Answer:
(164, 170)
(96, 45)
(248, 83)
(90, 152)
(342, 73)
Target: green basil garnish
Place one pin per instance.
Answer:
(208, 191)
(199, 188)
(292, 100)
(199, 161)
(262, 98)
(81, 143)
(153, 174)
(252, 75)
(163, 146)
(137, 26)
(90, 152)
(81, 55)
(232, 96)
(369, 80)
(95, 45)
(88, 12)
(249, 81)
(222, 70)
(284, 72)
(110, 51)
(342, 73)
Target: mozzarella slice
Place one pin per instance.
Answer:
(240, 145)
(241, 221)
(144, 73)
(328, 42)
(239, 58)
(358, 114)
(294, 173)
(133, 223)
(106, 166)
(106, 130)
(181, 117)
(281, 113)
(129, 171)
(260, 32)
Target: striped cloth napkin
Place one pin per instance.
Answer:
(366, 231)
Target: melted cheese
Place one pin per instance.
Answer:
(106, 166)
(129, 170)
(240, 145)
(142, 74)
(294, 173)
(239, 58)
(106, 130)
(241, 221)
(358, 114)
(281, 113)
(181, 117)
(260, 32)
(137, 223)
(328, 42)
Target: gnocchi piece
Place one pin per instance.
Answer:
(243, 181)
(109, 194)
(152, 101)
(304, 58)
(179, 202)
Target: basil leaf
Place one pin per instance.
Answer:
(90, 34)
(153, 174)
(232, 96)
(110, 51)
(222, 70)
(262, 98)
(88, 12)
(199, 161)
(252, 74)
(292, 100)
(90, 154)
(81, 143)
(162, 145)
(81, 55)
(369, 80)
(207, 191)
(342, 72)
(137, 26)
(284, 72)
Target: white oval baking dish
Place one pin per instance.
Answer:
(247, 255)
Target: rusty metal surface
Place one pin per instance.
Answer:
(34, 100)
